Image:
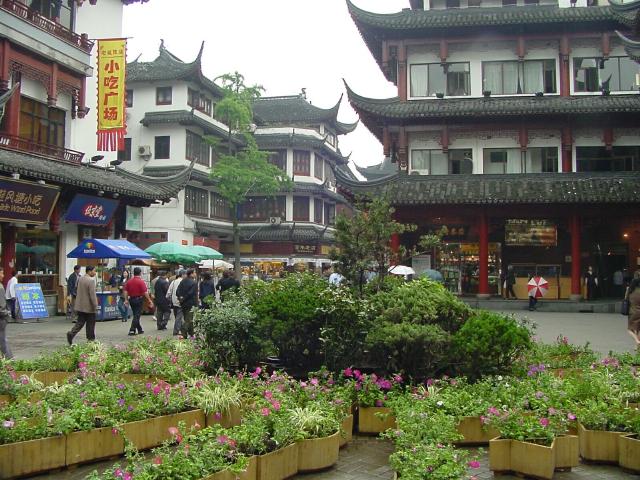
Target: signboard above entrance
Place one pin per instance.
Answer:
(26, 202)
(527, 232)
(88, 210)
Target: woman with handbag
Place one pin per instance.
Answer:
(633, 297)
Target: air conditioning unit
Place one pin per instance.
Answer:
(144, 150)
(419, 172)
(275, 220)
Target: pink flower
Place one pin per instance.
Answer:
(474, 464)
(493, 411)
(276, 405)
(539, 394)
(174, 431)
(268, 395)
(544, 421)
(117, 473)
(379, 403)
(157, 461)
(222, 439)
(114, 431)
(217, 415)
(127, 476)
(571, 416)
(8, 424)
(348, 372)
(256, 372)
(265, 412)
(314, 381)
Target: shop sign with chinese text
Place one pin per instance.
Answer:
(31, 301)
(88, 210)
(27, 202)
(303, 248)
(529, 232)
(111, 94)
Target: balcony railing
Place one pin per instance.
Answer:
(23, 145)
(21, 10)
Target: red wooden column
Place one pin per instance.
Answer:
(567, 149)
(574, 227)
(483, 281)
(8, 250)
(402, 72)
(395, 243)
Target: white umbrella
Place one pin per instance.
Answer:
(215, 264)
(401, 270)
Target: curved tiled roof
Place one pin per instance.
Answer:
(167, 67)
(295, 110)
(376, 111)
(542, 188)
(375, 27)
(632, 47)
(91, 177)
(283, 140)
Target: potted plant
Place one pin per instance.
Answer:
(629, 446)
(220, 398)
(372, 391)
(600, 426)
(319, 425)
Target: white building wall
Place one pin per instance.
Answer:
(103, 20)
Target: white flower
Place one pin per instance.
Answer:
(439, 403)
(500, 377)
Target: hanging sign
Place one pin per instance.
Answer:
(26, 201)
(88, 210)
(111, 94)
(31, 303)
(134, 219)
(529, 232)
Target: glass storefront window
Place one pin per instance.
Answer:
(36, 252)
(599, 159)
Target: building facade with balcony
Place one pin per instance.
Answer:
(171, 108)
(515, 129)
(48, 139)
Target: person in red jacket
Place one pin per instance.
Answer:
(135, 291)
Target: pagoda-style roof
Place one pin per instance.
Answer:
(627, 13)
(536, 188)
(141, 187)
(168, 67)
(632, 47)
(379, 170)
(376, 27)
(285, 232)
(188, 117)
(376, 112)
(295, 110)
(298, 140)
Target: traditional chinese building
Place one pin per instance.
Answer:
(515, 129)
(52, 191)
(171, 107)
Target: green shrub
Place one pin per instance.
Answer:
(489, 343)
(226, 335)
(418, 351)
(288, 318)
(421, 302)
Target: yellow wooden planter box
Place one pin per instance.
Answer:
(474, 432)
(629, 452)
(31, 457)
(318, 453)
(278, 465)
(151, 432)
(346, 433)
(567, 451)
(251, 473)
(93, 445)
(522, 457)
(229, 419)
(39, 376)
(369, 422)
(599, 445)
(5, 399)
(221, 475)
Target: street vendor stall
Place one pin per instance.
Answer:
(100, 249)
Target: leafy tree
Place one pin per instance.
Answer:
(245, 172)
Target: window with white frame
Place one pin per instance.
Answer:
(428, 79)
(429, 162)
(514, 160)
(318, 166)
(615, 74)
(513, 77)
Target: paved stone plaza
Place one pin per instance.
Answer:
(365, 457)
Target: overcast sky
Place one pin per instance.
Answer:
(283, 45)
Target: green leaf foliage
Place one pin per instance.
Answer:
(490, 343)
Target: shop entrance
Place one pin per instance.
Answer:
(459, 264)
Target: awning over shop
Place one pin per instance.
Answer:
(98, 248)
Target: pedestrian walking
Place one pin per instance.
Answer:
(4, 319)
(188, 297)
(85, 306)
(228, 282)
(510, 281)
(72, 291)
(11, 294)
(125, 310)
(633, 295)
(135, 292)
(172, 296)
(207, 288)
(591, 282)
(163, 305)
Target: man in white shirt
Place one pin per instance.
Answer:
(10, 294)
(172, 296)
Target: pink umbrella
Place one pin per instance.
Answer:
(537, 287)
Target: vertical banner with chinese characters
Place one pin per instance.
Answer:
(111, 94)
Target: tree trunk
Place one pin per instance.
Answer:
(236, 245)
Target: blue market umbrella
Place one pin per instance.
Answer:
(433, 275)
